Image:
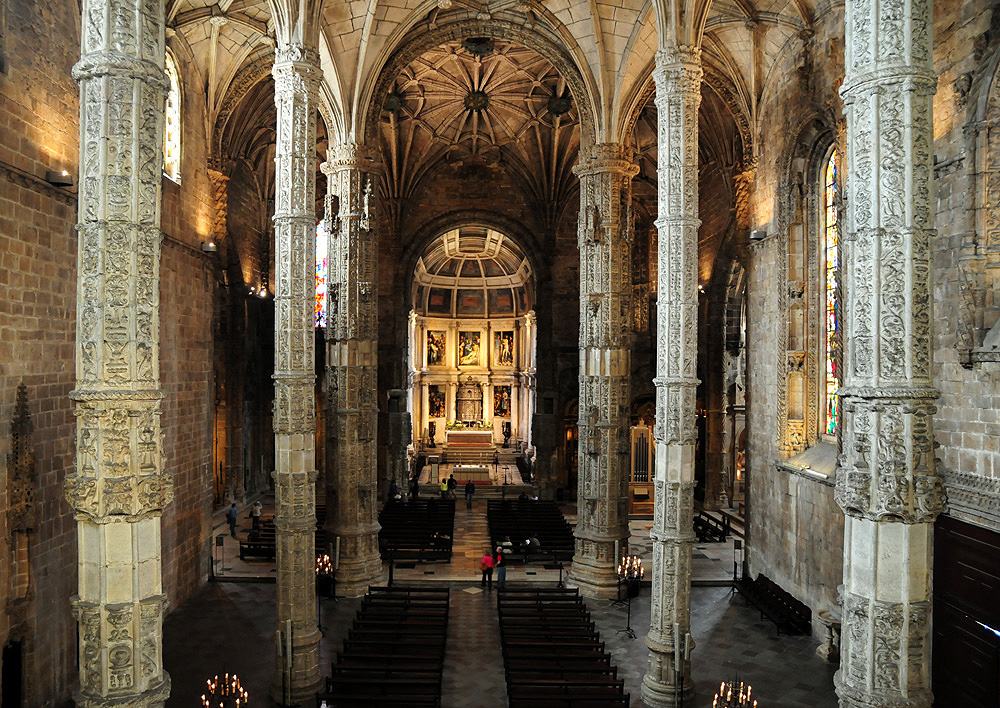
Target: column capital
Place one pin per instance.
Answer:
(296, 72)
(349, 155)
(606, 157)
(678, 70)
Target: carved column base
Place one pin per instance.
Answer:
(595, 569)
(660, 687)
(360, 564)
(300, 685)
(852, 698)
(155, 697)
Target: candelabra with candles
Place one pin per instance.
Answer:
(224, 693)
(324, 575)
(732, 696)
(630, 571)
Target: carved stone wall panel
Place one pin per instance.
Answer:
(678, 78)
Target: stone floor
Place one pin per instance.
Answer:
(229, 626)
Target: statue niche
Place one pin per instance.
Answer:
(469, 403)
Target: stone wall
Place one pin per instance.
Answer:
(967, 257)
(38, 133)
(39, 114)
(795, 529)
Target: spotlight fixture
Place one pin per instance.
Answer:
(208, 246)
(262, 293)
(59, 179)
(758, 234)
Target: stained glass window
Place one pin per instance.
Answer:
(831, 260)
(172, 124)
(321, 273)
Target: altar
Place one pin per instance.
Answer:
(469, 437)
(473, 473)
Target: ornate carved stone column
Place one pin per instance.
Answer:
(296, 84)
(886, 482)
(604, 234)
(678, 95)
(352, 365)
(119, 487)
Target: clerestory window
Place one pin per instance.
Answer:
(172, 123)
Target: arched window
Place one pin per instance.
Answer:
(831, 304)
(321, 273)
(172, 124)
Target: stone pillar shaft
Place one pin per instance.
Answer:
(678, 95)
(352, 365)
(604, 235)
(119, 486)
(887, 484)
(296, 83)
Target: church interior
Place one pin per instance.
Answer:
(661, 270)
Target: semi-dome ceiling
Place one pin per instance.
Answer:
(472, 272)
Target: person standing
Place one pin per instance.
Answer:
(231, 518)
(255, 512)
(486, 565)
(500, 563)
(393, 490)
(452, 483)
(470, 489)
(444, 488)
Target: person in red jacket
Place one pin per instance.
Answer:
(486, 565)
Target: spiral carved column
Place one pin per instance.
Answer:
(678, 94)
(296, 84)
(352, 364)
(604, 235)
(119, 486)
(887, 484)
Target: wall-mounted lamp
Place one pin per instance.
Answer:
(208, 246)
(758, 234)
(59, 179)
(262, 292)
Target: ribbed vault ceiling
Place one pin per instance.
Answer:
(487, 102)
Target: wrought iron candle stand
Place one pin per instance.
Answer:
(224, 693)
(630, 571)
(731, 695)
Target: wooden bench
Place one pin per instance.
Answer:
(708, 529)
(393, 655)
(789, 615)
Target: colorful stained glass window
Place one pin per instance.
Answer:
(321, 273)
(831, 259)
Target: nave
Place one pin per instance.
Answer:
(235, 619)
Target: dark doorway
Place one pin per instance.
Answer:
(11, 682)
(966, 660)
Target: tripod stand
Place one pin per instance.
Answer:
(631, 571)
(628, 612)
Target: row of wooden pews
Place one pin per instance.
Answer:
(520, 520)
(262, 544)
(393, 656)
(417, 530)
(790, 615)
(553, 655)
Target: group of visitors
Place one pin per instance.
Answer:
(495, 560)
(232, 514)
